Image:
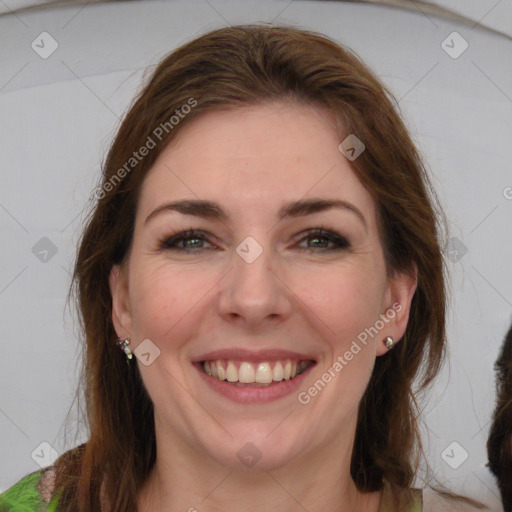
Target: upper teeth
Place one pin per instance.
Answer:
(234, 371)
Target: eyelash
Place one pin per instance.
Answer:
(170, 242)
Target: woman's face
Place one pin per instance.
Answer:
(256, 281)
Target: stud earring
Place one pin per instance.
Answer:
(123, 345)
(388, 341)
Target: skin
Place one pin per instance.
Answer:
(252, 161)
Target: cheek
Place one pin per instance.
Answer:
(166, 300)
(344, 299)
(159, 299)
(346, 303)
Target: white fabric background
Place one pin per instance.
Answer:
(59, 114)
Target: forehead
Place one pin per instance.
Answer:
(252, 156)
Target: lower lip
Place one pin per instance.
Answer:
(250, 395)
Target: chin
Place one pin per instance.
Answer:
(254, 452)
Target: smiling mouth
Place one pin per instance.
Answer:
(261, 374)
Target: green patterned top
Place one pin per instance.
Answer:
(24, 496)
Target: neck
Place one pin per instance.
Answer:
(185, 480)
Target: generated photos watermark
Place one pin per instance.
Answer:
(158, 133)
(304, 397)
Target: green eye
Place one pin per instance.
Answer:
(197, 238)
(331, 237)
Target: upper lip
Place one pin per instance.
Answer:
(242, 354)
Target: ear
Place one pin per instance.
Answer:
(121, 311)
(397, 306)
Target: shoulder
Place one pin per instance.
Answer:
(435, 502)
(399, 499)
(31, 493)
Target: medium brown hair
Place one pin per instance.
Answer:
(227, 69)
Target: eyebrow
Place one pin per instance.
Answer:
(211, 210)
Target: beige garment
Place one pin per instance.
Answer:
(395, 499)
(432, 502)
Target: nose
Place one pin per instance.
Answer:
(253, 293)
